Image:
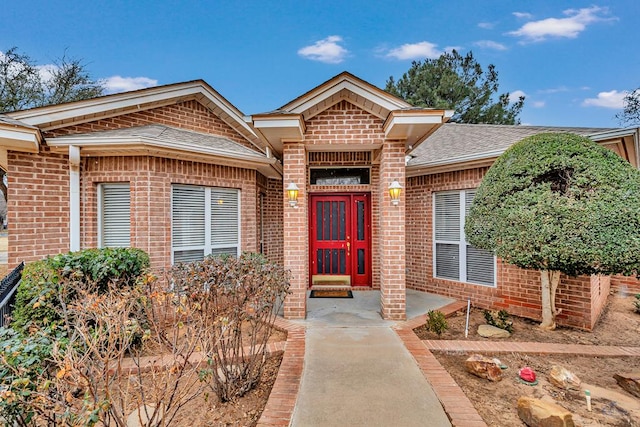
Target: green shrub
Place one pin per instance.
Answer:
(436, 322)
(37, 299)
(637, 303)
(500, 319)
(24, 370)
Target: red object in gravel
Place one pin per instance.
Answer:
(527, 374)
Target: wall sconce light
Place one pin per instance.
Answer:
(292, 193)
(394, 191)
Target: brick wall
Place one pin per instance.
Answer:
(39, 188)
(626, 284)
(188, 115)
(343, 127)
(151, 179)
(517, 291)
(38, 200)
(273, 232)
(391, 225)
(296, 240)
(342, 124)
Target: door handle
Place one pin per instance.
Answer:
(348, 248)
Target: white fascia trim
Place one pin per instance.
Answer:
(357, 89)
(610, 134)
(147, 142)
(279, 123)
(487, 155)
(27, 141)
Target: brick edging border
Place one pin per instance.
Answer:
(456, 404)
(282, 399)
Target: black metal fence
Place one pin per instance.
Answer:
(8, 288)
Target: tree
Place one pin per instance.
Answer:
(23, 84)
(459, 83)
(630, 115)
(559, 203)
(26, 85)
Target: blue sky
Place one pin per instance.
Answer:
(572, 59)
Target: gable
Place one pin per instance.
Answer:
(401, 121)
(344, 126)
(189, 115)
(112, 106)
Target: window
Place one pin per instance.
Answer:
(339, 176)
(205, 221)
(455, 259)
(114, 218)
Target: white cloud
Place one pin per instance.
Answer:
(115, 84)
(515, 95)
(522, 15)
(418, 50)
(490, 44)
(612, 99)
(486, 25)
(538, 104)
(554, 90)
(326, 50)
(569, 27)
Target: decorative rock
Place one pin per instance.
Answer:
(483, 367)
(140, 416)
(539, 413)
(630, 382)
(562, 378)
(489, 331)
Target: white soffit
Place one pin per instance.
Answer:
(277, 128)
(20, 139)
(413, 126)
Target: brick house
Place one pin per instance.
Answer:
(180, 172)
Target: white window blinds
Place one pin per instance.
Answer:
(205, 221)
(454, 258)
(115, 215)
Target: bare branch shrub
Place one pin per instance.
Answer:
(127, 350)
(235, 300)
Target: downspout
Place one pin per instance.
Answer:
(74, 198)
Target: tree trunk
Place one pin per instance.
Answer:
(550, 280)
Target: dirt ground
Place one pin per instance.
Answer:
(496, 402)
(245, 411)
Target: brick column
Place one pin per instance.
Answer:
(391, 229)
(296, 233)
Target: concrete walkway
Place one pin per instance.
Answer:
(358, 372)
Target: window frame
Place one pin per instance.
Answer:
(461, 243)
(209, 246)
(101, 211)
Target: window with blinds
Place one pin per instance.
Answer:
(114, 215)
(454, 258)
(204, 221)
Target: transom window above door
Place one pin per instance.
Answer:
(339, 176)
(204, 221)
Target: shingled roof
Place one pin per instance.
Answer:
(455, 143)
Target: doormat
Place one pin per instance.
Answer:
(331, 293)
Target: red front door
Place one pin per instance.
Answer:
(340, 238)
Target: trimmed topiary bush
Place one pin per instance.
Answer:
(559, 203)
(37, 298)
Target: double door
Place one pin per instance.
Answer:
(340, 238)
